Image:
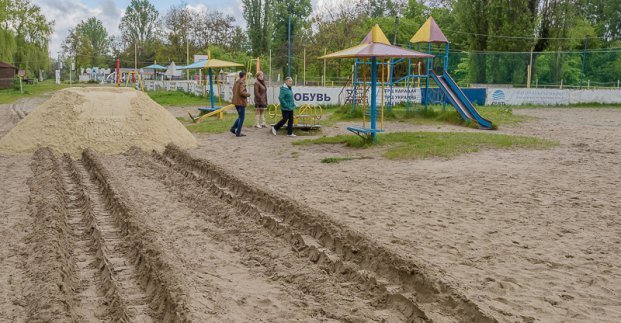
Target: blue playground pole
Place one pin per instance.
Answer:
(429, 62)
(373, 94)
(446, 58)
(445, 63)
(355, 82)
(211, 96)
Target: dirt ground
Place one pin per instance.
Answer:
(254, 228)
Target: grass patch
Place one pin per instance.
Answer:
(419, 145)
(179, 98)
(31, 90)
(433, 115)
(335, 160)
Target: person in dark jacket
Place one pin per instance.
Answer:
(240, 100)
(260, 101)
(287, 105)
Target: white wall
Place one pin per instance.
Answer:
(337, 95)
(504, 96)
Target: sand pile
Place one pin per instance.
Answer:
(108, 120)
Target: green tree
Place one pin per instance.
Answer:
(139, 29)
(24, 34)
(299, 12)
(257, 14)
(96, 36)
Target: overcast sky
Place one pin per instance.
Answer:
(68, 13)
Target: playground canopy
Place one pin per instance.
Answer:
(210, 64)
(429, 32)
(155, 67)
(374, 45)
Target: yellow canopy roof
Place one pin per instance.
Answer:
(212, 63)
(376, 35)
(429, 32)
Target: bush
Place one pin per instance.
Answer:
(16, 83)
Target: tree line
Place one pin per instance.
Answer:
(24, 35)
(492, 41)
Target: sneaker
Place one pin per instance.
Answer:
(273, 131)
(241, 135)
(263, 126)
(257, 126)
(292, 135)
(233, 131)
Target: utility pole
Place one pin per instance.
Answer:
(324, 68)
(187, 57)
(586, 43)
(530, 68)
(394, 39)
(289, 42)
(135, 56)
(304, 68)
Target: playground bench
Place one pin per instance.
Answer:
(363, 131)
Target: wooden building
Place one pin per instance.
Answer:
(7, 73)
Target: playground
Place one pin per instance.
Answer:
(429, 209)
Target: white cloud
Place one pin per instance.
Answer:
(68, 13)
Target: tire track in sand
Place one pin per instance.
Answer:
(417, 293)
(90, 257)
(384, 296)
(207, 235)
(109, 286)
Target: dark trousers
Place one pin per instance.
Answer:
(287, 116)
(237, 126)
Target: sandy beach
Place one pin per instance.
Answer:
(521, 235)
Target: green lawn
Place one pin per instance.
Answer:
(418, 145)
(30, 90)
(434, 115)
(180, 99)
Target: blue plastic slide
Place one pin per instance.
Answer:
(458, 99)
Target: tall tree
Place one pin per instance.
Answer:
(258, 16)
(97, 37)
(24, 33)
(88, 43)
(298, 11)
(178, 21)
(139, 27)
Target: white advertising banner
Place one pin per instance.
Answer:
(527, 96)
(594, 96)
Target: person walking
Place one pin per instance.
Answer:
(286, 107)
(260, 101)
(240, 100)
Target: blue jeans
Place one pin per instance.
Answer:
(237, 126)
